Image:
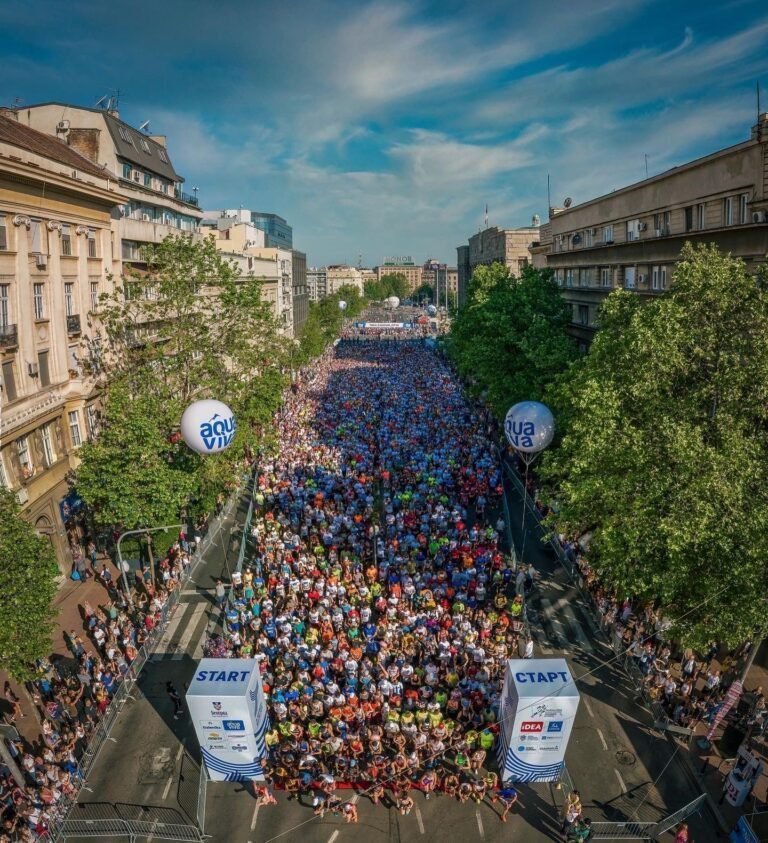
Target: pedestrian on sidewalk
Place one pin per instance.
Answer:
(11, 697)
(572, 812)
(221, 594)
(173, 695)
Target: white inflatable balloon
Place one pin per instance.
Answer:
(529, 426)
(342, 305)
(432, 310)
(208, 426)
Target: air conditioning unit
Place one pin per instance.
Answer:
(643, 226)
(33, 369)
(62, 126)
(146, 218)
(22, 496)
(41, 260)
(759, 216)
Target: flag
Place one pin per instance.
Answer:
(731, 696)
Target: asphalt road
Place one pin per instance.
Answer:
(622, 767)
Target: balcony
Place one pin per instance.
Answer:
(186, 197)
(73, 324)
(9, 336)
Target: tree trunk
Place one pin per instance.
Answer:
(151, 560)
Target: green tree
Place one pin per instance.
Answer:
(510, 337)
(374, 291)
(28, 573)
(665, 449)
(190, 327)
(425, 291)
(394, 284)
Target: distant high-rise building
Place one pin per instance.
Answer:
(279, 233)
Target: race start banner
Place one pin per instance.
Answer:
(227, 706)
(538, 706)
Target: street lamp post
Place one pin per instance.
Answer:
(142, 532)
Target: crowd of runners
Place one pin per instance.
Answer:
(376, 592)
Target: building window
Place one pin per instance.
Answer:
(3, 233)
(124, 134)
(588, 237)
(3, 476)
(94, 295)
(127, 169)
(659, 278)
(743, 204)
(74, 429)
(583, 314)
(145, 146)
(66, 241)
(147, 180)
(49, 454)
(661, 224)
(728, 210)
(629, 277)
(25, 458)
(69, 298)
(163, 156)
(607, 234)
(700, 217)
(92, 415)
(42, 368)
(38, 300)
(689, 218)
(569, 278)
(633, 229)
(164, 186)
(9, 381)
(5, 305)
(605, 276)
(92, 243)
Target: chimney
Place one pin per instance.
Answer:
(10, 113)
(161, 139)
(86, 142)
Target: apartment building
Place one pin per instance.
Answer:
(631, 238)
(512, 247)
(56, 212)
(300, 291)
(341, 275)
(317, 283)
(402, 266)
(281, 269)
(156, 203)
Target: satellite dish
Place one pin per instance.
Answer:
(100, 101)
(144, 125)
(568, 202)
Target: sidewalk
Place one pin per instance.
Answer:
(68, 604)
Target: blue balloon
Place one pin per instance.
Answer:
(529, 426)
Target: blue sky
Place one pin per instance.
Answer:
(382, 128)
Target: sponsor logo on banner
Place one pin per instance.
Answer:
(532, 726)
(214, 736)
(233, 725)
(522, 748)
(553, 726)
(545, 711)
(216, 706)
(239, 747)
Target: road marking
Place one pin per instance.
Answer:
(165, 640)
(602, 740)
(621, 781)
(333, 836)
(168, 784)
(181, 647)
(255, 817)
(419, 820)
(589, 707)
(480, 823)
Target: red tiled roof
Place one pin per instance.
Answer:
(17, 134)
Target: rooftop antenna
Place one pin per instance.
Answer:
(359, 260)
(144, 126)
(549, 198)
(646, 165)
(486, 215)
(101, 100)
(757, 92)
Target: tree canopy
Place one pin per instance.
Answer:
(324, 321)
(510, 337)
(190, 327)
(28, 573)
(664, 456)
(391, 284)
(425, 291)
